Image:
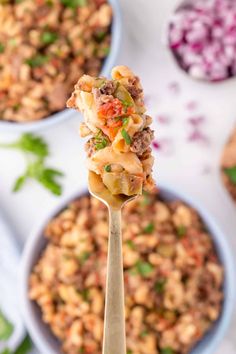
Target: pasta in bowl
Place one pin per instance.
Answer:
(119, 129)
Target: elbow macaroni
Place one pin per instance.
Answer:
(114, 116)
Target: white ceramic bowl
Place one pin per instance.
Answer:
(116, 32)
(41, 335)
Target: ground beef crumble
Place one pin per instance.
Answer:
(141, 141)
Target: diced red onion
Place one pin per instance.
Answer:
(202, 37)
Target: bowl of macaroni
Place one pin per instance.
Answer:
(45, 46)
(174, 255)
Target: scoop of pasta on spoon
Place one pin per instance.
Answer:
(120, 168)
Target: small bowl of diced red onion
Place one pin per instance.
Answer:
(202, 39)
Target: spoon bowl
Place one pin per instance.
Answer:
(99, 191)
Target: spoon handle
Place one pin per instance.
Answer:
(114, 341)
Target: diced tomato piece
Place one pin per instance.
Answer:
(111, 109)
(130, 110)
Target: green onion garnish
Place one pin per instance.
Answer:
(48, 37)
(144, 268)
(107, 168)
(2, 48)
(231, 173)
(160, 286)
(149, 228)
(126, 136)
(37, 60)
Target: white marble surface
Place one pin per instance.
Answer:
(192, 167)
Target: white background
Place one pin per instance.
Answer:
(190, 166)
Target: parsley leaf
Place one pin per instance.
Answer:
(6, 351)
(25, 346)
(149, 228)
(48, 37)
(29, 143)
(19, 183)
(6, 327)
(231, 173)
(45, 176)
(126, 136)
(36, 150)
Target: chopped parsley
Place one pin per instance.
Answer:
(37, 60)
(6, 327)
(126, 136)
(129, 351)
(160, 286)
(144, 268)
(149, 228)
(2, 48)
(181, 231)
(48, 37)
(231, 173)
(107, 168)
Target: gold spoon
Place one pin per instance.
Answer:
(114, 340)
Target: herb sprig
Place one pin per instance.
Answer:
(6, 327)
(36, 151)
(6, 331)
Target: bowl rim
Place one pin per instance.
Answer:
(219, 239)
(60, 116)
